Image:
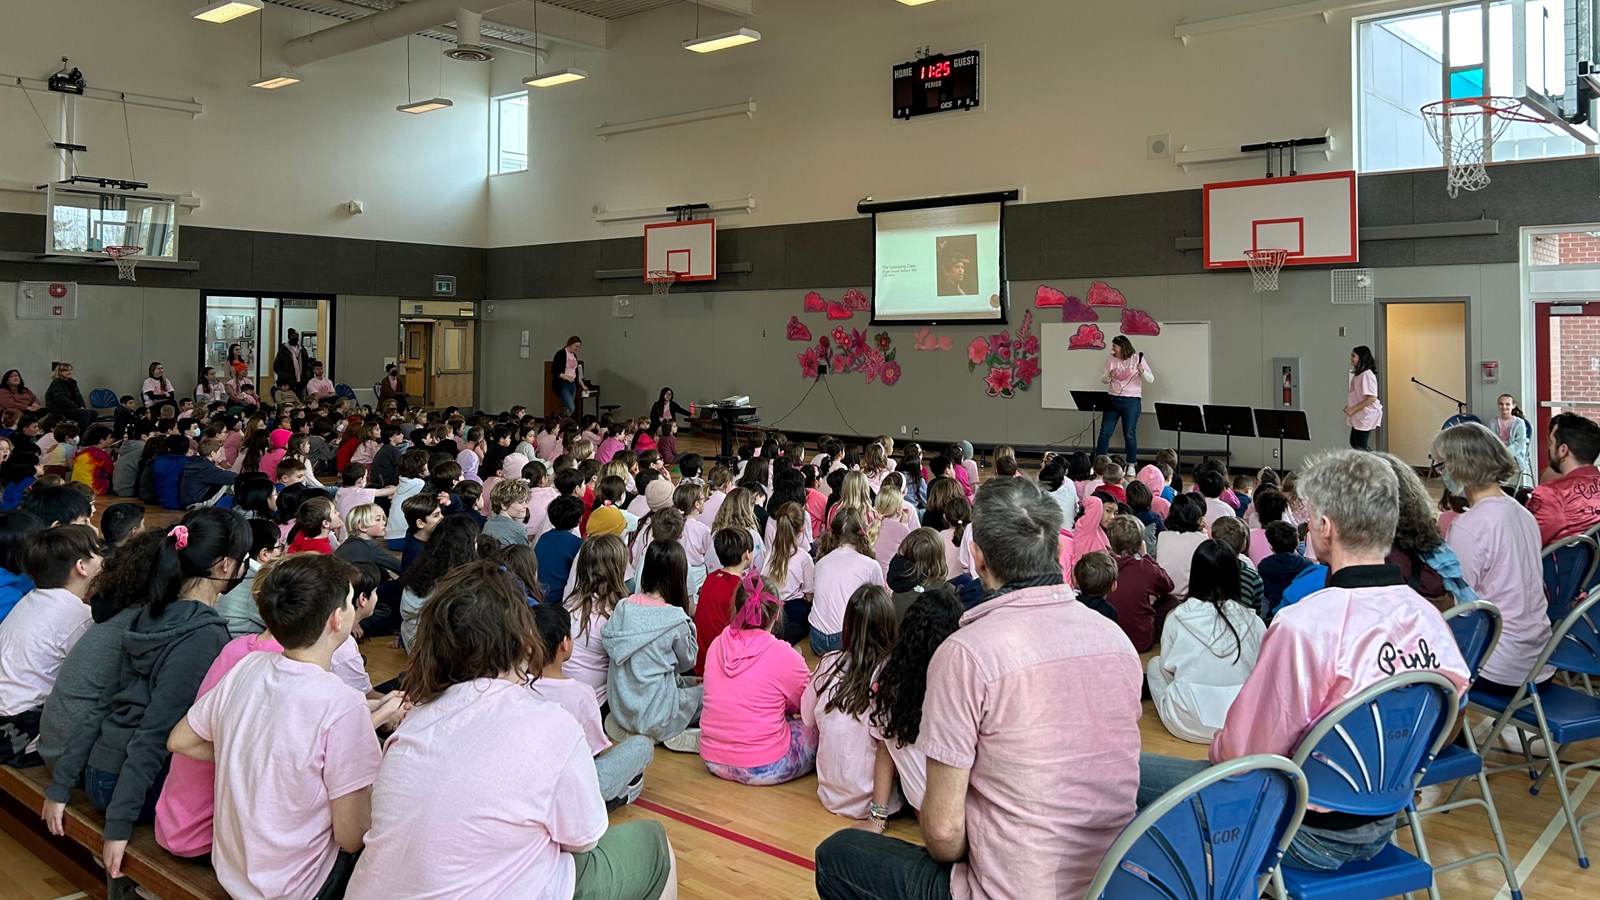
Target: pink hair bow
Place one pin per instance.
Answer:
(749, 616)
(180, 536)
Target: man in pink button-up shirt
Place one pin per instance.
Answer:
(1365, 626)
(1030, 726)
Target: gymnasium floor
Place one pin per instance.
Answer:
(740, 842)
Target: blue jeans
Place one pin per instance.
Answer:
(860, 865)
(567, 393)
(102, 786)
(822, 642)
(1315, 849)
(1126, 409)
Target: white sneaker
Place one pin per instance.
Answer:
(614, 730)
(686, 741)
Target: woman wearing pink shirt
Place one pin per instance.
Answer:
(1362, 410)
(1125, 376)
(446, 821)
(749, 731)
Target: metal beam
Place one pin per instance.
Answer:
(1419, 231)
(41, 86)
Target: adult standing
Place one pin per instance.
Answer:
(14, 394)
(1125, 377)
(1326, 649)
(291, 366)
(665, 409)
(1513, 429)
(1031, 729)
(157, 391)
(1362, 411)
(1569, 503)
(564, 373)
(238, 366)
(64, 398)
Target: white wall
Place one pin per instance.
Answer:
(1071, 90)
(264, 160)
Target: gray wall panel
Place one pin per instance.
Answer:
(504, 277)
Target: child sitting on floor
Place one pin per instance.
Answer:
(751, 730)
(650, 640)
(1143, 594)
(1095, 574)
(558, 547)
(837, 699)
(314, 524)
(508, 501)
(714, 606)
(597, 588)
(1283, 565)
(93, 465)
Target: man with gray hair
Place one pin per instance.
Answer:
(1365, 626)
(1030, 725)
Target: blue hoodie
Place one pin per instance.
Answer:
(12, 586)
(167, 473)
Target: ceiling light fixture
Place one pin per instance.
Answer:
(277, 80)
(421, 106)
(715, 42)
(226, 10)
(915, 2)
(559, 76)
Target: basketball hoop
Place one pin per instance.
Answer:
(1465, 129)
(1264, 267)
(661, 280)
(127, 259)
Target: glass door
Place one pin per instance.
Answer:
(251, 327)
(1567, 337)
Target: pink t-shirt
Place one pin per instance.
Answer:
(269, 463)
(800, 578)
(952, 553)
(1497, 542)
(891, 532)
(608, 448)
(816, 508)
(696, 541)
(910, 768)
(349, 498)
(1259, 548)
(289, 739)
(1037, 696)
(589, 660)
(350, 667)
(1127, 376)
(1324, 650)
(846, 751)
(34, 641)
(1175, 554)
(188, 798)
(448, 820)
(708, 515)
(753, 684)
(539, 511)
(578, 700)
(1216, 509)
(838, 574)
(1364, 385)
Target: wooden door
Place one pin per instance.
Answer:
(414, 361)
(453, 363)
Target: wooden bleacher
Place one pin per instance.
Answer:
(144, 864)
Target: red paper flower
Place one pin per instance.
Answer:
(891, 373)
(1139, 322)
(1002, 346)
(1102, 294)
(797, 330)
(1030, 345)
(840, 365)
(1088, 337)
(823, 343)
(999, 381)
(855, 300)
(836, 311)
(808, 363)
(1046, 297)
(814, 302)
(882, 340)
(977, 351)
(1026, 371)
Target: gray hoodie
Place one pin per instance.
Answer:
(164, 659)
(649, 646)
(92, 664)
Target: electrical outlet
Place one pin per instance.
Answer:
(916, 432)
(902, 429)
(1342, 331)
(1274, 452)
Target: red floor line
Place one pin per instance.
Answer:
(724, 833)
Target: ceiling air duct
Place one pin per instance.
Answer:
(469, 29)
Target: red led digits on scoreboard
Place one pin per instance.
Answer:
(937, 70)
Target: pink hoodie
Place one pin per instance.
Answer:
(1089, 536)
(753, 685)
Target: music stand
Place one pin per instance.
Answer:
(1095, 403)
(1284, 424)
(1180, 417)
(1230, 422)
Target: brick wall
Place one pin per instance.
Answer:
(1575, 343)
(1573, 247)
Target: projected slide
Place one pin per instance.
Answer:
(939, 264)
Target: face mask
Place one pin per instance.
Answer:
(1451, 487)
(194, 432)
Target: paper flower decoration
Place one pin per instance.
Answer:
(837, 311)
(1088, 337)
(797, 330)
(925, 340)
(1102, 294)
(1047, 297)
(854, 300)
(1013, 360)
(849, 352)
(1137, 321)
(815, 303)
(1075, 310)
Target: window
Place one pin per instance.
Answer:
(508, 133)
(1462, 50)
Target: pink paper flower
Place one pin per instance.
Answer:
(1026, 371)
(808, 363)
(823, 344)
(891, 373)
(978, 351)
(838, 334)
(1030, 345)
(872, 365)
(1002, 346)
(840, 365)
(999, 381)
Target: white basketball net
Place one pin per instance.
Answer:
(1264, 267)
(127, 259)
(660, 280)
(1465, 130)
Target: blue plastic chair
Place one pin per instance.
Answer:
(104, 402)
(1365, 759)
(1216, 836)
(1476, 626)
(345, 391)
(1569, 567)
(1557, 714)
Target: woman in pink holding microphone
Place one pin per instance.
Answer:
(1125, 375)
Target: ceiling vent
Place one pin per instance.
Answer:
(469, 27)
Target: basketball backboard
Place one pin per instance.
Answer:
(1312, 217)
(1552, 45)
(82, 220)
(687, 249)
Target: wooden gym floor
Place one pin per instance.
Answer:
(740, 842)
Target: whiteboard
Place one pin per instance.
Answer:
(1180, 357)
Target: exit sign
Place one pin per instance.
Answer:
(444, 285)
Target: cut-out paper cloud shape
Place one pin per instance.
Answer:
(815, 303)
(1102, 294)
(1047, 297)
(1075, 310)
(855, 300)
(837, 311)
(1137, 321)
(1088, 337)
(925, 340)
(797, 330)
